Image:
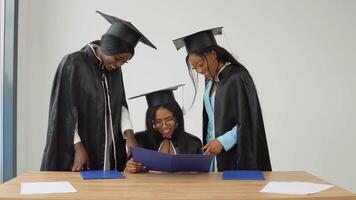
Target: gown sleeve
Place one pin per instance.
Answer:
(59, 150)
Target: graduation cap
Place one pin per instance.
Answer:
(125, 31)
(198, 40)
(159, 97)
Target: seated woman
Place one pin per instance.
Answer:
(165, 128)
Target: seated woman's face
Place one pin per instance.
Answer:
(165, 122)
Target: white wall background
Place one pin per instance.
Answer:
(301, 55)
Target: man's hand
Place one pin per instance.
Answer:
(213, 147)
(130, 142)
(81, 158)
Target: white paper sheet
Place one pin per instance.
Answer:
(46, 187)
(296, 188)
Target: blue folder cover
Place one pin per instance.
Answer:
(243, 175)
(101, 174)
(164, 162)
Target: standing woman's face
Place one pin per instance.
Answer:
(165, 122)
(205, 64)
(115, 61)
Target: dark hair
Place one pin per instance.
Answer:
(174, 108)
(111, 45)
(222, 55)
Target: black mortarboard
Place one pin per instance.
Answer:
(125, 31)
(199, 40)
(159, 97)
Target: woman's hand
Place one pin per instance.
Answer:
(134, 167)
(81, 158)
(213, 147)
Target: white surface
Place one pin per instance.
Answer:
(300, 53)
(47, 187)
(295, 188)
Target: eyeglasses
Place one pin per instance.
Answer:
(168, 122)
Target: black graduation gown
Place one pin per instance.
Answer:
(78, 94)
(184, 143)
(236, 103)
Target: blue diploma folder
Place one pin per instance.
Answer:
(243, 175)
(101, 174)
(164, 162)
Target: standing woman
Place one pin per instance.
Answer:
(88, 115)
(233, 127)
